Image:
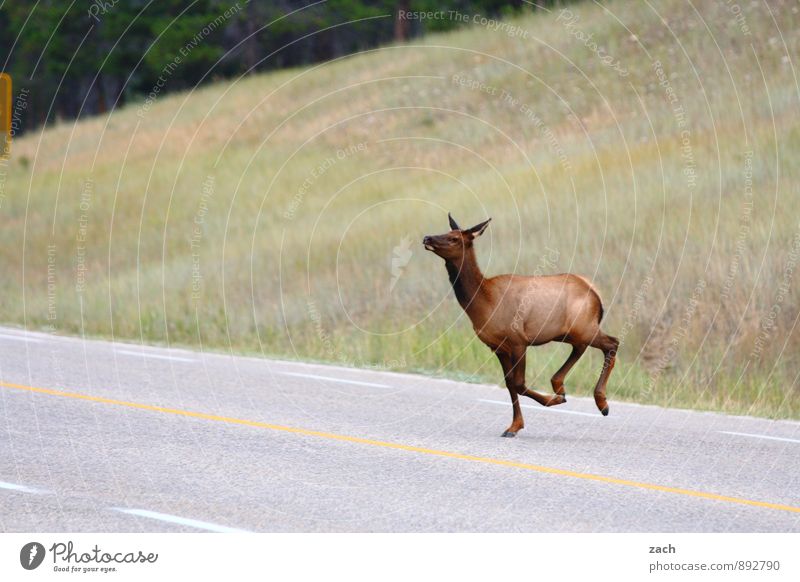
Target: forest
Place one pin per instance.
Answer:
(77, 59)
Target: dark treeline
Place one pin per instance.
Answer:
(81, 58)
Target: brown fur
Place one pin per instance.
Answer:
(511, 312)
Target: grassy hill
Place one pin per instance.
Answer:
(652, 148)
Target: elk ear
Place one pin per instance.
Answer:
(453, 223)
(478, 229)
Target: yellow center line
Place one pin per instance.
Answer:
(402, 447)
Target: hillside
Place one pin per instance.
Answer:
(650, 147)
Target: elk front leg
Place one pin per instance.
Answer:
(518, 367)
(543, 399)
(514, 371)
(517, 423)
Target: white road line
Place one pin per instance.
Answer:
(760, 436)
(206, 525)
(22, 488)
(543, 408)
(20, 338)
(156, 356)
(331, 379)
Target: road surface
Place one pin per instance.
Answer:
(102, 436)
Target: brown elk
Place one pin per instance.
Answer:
(511, 312)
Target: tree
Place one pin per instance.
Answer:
(400, 20)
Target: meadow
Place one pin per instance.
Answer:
(652, 147)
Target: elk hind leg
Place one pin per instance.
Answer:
(558, 378)
(608, 345)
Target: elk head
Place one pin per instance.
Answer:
(452, 245)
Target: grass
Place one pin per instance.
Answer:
(263, 215)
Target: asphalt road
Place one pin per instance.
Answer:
(100, 436)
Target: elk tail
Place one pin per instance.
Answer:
(596, 293)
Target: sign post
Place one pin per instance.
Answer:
(5, 115)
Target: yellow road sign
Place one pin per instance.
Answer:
(5, 114)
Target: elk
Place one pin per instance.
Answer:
(511, 312)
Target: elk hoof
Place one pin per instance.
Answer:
(508, 434)
(604, 412)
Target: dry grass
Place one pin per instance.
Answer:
(586, 166)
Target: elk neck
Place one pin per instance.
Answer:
(467, 279)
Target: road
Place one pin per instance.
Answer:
(102, 436)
